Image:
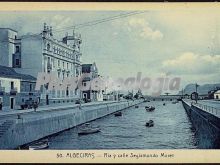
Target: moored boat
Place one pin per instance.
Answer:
(118, 114)
(164, 104)
(174, 102)
(136, 106)
(150, 108)
(150, 123)
(88, 129)
(39, 145)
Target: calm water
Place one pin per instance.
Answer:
(172, 130)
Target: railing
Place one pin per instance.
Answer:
(207, 108)
(13, 91)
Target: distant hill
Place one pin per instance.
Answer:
(202, 89)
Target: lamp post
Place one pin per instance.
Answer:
(118, 92)
(196, 95)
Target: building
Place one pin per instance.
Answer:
(8, 47)
(91, 94)
(16, 88)
(217, 95)
(41, 52)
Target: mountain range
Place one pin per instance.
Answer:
(201, 89)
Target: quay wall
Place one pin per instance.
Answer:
(205, 125)
(28, 130)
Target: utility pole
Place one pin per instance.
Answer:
(196, 96)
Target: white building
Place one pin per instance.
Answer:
(31, 54)
(217, 95)
(16, 88)
(91, 94)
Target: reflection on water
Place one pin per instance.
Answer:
(172, 130)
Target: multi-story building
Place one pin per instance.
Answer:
(16, 89)
(94, 95)
(36, 53)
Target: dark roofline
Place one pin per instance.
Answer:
(8, 72)
(10, 29)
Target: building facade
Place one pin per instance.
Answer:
(32, 54)
(16, 89)
(217, 95)
(91, 94)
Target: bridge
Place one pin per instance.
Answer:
(166, 97)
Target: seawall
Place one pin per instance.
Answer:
(205, 125)
(26, 130)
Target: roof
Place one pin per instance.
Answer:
(217, 92)
(9, 29)
(8, 72)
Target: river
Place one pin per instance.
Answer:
(172, 130)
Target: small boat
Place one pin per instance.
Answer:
(146, 101)
(136, 106)
(118, 114)
(150, 123)
(151, 108)
(164, 104)
(39, 145)
(174, 102)
(88, 129)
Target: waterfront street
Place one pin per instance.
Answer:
(210, 106)
(54, 108)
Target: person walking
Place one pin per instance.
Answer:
(35, 106)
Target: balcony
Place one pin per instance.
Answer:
(58, 69)
(13, 91)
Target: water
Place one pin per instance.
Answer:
(172, 130)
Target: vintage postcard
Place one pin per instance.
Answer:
(109, 82)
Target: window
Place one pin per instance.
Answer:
(58, 62)
(67, 66)
(63, 64)
(30, 87)
(67, 91)
(17, 62)
(58, 74)
(17, 49)
(12, 85)
(48, 47)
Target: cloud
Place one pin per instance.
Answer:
(142, 27)
(191, 63)
(60, 21)
(138, 27)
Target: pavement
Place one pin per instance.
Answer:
(52, 107)
(56, 108)
(210, 106)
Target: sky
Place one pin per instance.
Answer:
(175, 43)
